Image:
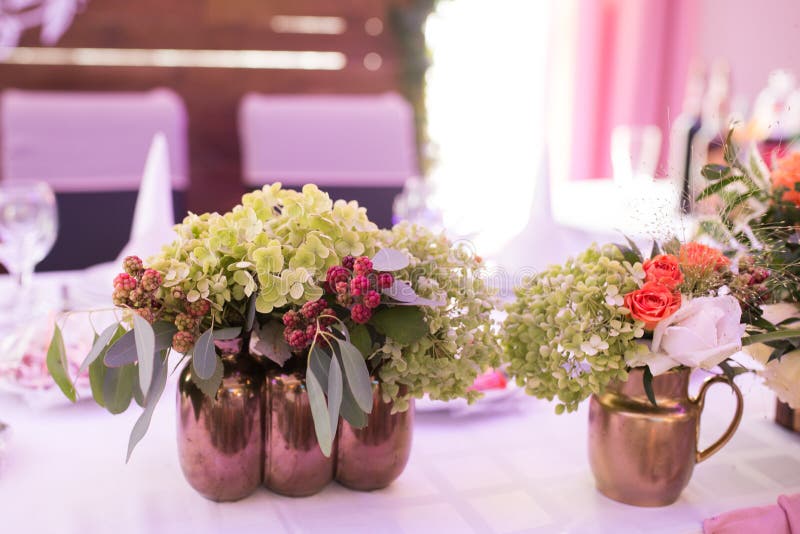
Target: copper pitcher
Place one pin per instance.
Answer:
(220, 440)
(642, 454)
(373, 457)
(293, 462)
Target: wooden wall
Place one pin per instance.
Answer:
(212, 95)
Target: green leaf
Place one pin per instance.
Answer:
(118, 388)
(729, 147)
(99, 346)
(319, 362)
(164, 332)
(655, 251)
(628, 254)
(210, 386)
(771, 336)
(122, 352)
(357, 375)
(224, 334)
(97, 369)
(715, 172)
(716, 187)
(360, 337)
(647, 378)
(401, 323)
(97, 374)
(145, 340)
(732, 371)
(334, 392)
(151, 400)
(319, 413)
(251, 312)
(673, 246)
(635, 249)
(350, 410)
(204, 358)
(57, 364)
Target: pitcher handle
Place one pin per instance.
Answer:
(737, 418)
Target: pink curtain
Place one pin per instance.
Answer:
(630, 59)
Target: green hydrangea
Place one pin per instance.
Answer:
(568, 333)
(278, 244)
(461, 341)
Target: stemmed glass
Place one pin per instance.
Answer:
(28, 227)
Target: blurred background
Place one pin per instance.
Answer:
(529, 127)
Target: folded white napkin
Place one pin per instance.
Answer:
(154, 215)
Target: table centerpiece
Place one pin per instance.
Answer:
(627, 330)
(305, 333)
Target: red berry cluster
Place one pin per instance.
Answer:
(188, 324)
(355, 284)
(135, 288)
(750, 283)
(301, 325)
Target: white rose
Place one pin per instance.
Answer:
(783, 377)
(702, 333)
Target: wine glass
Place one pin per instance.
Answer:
(28, 227)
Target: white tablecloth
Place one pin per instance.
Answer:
(519, 468)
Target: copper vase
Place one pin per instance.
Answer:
(220, 440)
(373, 457)
(786, 416)
(642, 454)
(293, 462)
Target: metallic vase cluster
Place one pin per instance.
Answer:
(259, 430)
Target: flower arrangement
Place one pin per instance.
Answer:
(311, 285)
(759, 220)
(577, 327)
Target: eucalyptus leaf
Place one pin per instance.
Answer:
(319, 413)
(319, 363)
(224, 334)
(401, 291)
(357, 374)
(204, 358)
(99, 346)
(160, 369)
(118, 388)
(334, 392)
(145, 340)
(403, 324)
(97, 374)
(122, 352)
(57, 364)
(97, 369)
(210, 386)
(350, 410)
(268, 341)
(138, 396)
(164, 333)
(388, 260)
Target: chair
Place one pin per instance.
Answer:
(91, 148)
(357, 147)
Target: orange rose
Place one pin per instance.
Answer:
(696, 255)
(652, 303)
(786, 175)
(663, 269)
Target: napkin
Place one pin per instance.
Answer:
(154, 216)
(781, 518)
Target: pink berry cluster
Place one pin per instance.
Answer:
(188, 324)
(135, 288)
(301, 325)
(355, 284)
